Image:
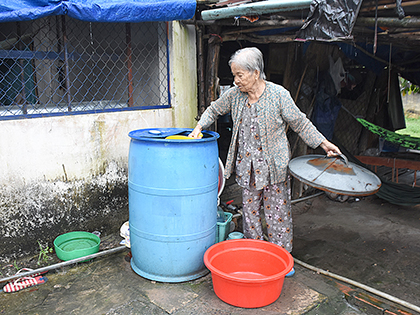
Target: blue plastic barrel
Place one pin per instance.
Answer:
(173, 190)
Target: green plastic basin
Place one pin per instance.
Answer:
(77, 244)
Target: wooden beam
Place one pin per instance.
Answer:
(278, 22)
(249, 30)
(392, 163)
(389, 162)
(388, 6)
(260, 39)
(407, 22)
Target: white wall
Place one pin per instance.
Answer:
(70, 172)
(75, 146)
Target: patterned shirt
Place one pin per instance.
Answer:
(250, 157)
(275, 109)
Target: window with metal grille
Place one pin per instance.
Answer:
(58, 65)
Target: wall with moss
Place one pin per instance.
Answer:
(68, 173)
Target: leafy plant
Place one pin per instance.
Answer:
(412, 129)
(407, 87)
(43, 256)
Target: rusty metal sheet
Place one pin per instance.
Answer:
(334, 174)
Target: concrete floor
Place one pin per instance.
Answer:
(109, 286)
(370, 241)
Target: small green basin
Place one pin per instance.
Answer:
(77, 244)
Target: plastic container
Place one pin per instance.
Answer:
(223, 228)
(222, 181)
(248, 273)
(173, 188)
(76, 244)
(235, 236)
(221, 218)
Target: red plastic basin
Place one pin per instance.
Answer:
(248, 273)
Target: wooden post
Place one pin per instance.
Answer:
(213, 54)
(201, 77)
(290, 66)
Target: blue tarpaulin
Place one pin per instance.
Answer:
(98, 10)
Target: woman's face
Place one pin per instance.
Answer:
(244, 80)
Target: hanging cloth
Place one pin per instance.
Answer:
(395, 104)
(327, 105)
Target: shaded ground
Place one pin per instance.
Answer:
(108, 285)
(369, 241)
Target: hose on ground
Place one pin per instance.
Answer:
(359, 285)
(65, 263)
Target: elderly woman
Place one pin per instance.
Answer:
(259, 151)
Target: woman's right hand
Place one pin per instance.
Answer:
(330, 148)
(196, 133)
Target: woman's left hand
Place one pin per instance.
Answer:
(196, 133)
(330, 148)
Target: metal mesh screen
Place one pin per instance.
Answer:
(58, 65)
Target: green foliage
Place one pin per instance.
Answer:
(412, 127)
(407, 87)
(43, 256)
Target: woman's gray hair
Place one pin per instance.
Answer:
(250, 59)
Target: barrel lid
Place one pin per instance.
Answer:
(155, 132)
(334, 174)
(159, 134)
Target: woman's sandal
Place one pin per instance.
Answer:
(26, 270)
(23, 283)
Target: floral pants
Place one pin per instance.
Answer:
(274, 200)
